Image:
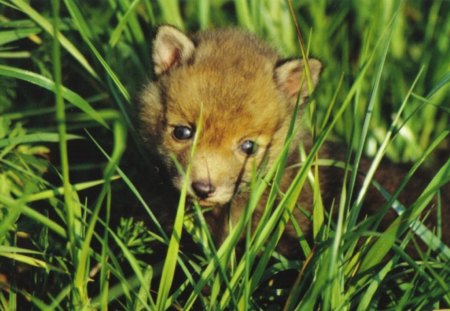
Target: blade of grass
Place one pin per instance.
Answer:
(172, 254)
(204, 13)
(136, 30)
(171, 12)
(134, 263)
(47, 194)
(368, 116)
(8, 36)
(80, 278)
(83, 29)
(71, 206)
(440, 84)
(31, 261)
(115, 36)
(34, 138)
(243, 14)
(174, 243)
(49, 28)
(148, 274)
(46, 83)
(105, 274)
(374, 286)
(20, 207)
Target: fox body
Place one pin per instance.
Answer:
(235, 97)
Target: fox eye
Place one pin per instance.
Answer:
(249, 147)
(182, 132)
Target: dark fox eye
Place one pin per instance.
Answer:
(182, 132)
(249, 147)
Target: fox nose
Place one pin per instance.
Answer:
(203, 189)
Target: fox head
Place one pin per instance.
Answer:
(242, 93)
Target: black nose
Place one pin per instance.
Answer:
(203, 189)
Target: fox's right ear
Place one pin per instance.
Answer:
(171, 47)
(292, 79)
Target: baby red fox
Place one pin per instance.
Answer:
(244, 96)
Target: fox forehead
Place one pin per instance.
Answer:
(224, 99)
(244, 110)
(231, 74)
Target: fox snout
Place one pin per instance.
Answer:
(208, 193)
(203, 189)
(209, 189)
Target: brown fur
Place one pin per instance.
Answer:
(243, 91)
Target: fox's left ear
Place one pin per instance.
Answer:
(292, 79)
(171, 48)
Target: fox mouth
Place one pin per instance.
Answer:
(208, 202)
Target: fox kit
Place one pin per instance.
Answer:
(244, 95)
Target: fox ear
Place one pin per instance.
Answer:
(292, 79)
(171, 47)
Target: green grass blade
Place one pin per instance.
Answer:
(368, 117)
(71, 207)
(175, 238)
(171, 12)
(115, 36)
(83, 29)
(50, 85)
(34, 138)
(19, 207)
(243, 13)
(439, 85)
(8, 36)
(134, 263)
(374, 286)
(48, 194)
(119, 147)
(49, 28)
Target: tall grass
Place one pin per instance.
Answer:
(76, 229)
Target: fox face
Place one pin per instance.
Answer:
(228, 93)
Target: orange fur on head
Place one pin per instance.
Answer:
(245, 98)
